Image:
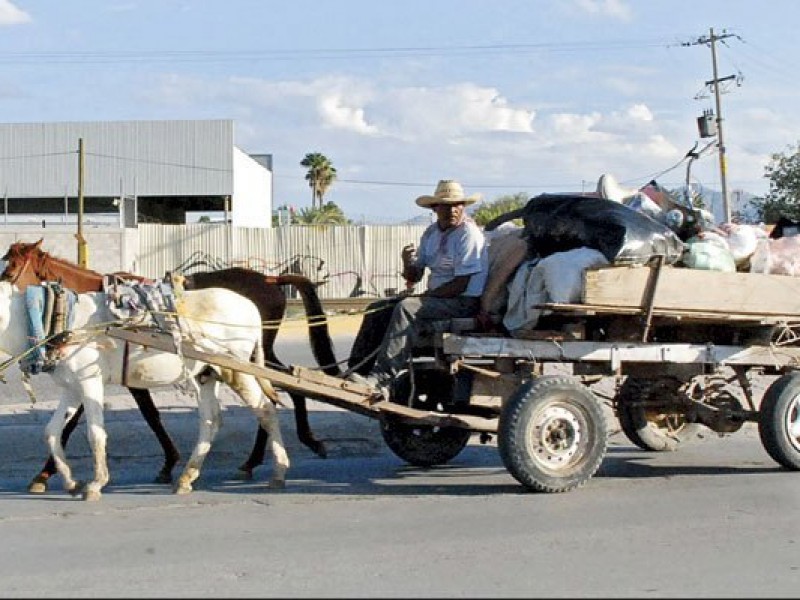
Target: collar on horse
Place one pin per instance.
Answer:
(49, 309)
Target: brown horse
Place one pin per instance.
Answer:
(27, 264)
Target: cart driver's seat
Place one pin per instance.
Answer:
(430, 332)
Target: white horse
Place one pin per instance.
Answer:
(216, 320)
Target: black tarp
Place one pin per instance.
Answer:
(557, 223)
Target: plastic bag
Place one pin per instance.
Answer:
(557, 223)
(777, 256)
(708, 251)
(556, 278)
(742, 240)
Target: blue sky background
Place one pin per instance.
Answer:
(506, 96)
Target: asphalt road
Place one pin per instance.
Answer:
(718, 518)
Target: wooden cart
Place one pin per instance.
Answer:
(673, 365)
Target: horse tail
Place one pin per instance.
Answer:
(318, 333)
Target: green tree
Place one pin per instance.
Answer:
(320, 176)
(328, 214)
(486, 211)
(783, 198)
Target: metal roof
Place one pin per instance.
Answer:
(143, 158)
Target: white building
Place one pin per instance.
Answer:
(155, 171)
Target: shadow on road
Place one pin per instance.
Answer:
(358, 463)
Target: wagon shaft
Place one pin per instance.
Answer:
(311, 383)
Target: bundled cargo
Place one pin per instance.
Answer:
(559, 223)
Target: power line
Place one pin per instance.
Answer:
(158, 163)
(177, 56)
(44, 155)
(429, 184)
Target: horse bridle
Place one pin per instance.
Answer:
(26, 265)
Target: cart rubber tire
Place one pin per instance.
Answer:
(779, 421)
(552, 434)
(647, 434)
(424, 445)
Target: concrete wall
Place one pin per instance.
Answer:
(109, 249)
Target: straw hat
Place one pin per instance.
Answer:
(447, 192)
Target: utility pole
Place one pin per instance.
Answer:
(82, 258)
(711, 40)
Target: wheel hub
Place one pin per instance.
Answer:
(555, 436)
(793, 423)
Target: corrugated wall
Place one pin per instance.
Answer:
(355, 260)
(145, 158)
(362, 260)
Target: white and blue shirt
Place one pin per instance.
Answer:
(454, 252)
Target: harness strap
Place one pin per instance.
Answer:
(125, 353)
(59, 318)
(47, 307)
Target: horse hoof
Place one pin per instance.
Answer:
(244, 474)
(37, 486)
(277, 484)
(163, 477)
(182, 490)
(91, 495)
(76, 489)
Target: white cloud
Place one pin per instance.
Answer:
(616, 9)
(363, 107)
(11, 15)
(640, 112)
(450, 112)
(337, 115)
(576, 128)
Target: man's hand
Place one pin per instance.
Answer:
(409, 255)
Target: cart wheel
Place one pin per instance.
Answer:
(552, 435)
(779, 421)
(652, 429)
(424, 445)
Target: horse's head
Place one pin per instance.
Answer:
(21, 263)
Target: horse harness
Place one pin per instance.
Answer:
(49, 311)
(49, 308)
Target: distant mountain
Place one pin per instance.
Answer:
(425, 219)
(739, 202)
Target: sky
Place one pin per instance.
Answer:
(506, 96)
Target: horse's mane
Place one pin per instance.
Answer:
(46, 261)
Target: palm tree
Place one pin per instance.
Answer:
(328, 214)
(320, 176)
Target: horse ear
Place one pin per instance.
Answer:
(39, 243)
